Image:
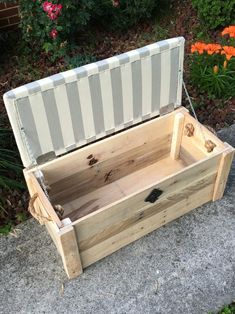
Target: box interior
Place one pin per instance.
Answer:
(107, 171)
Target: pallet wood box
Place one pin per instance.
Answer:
(110, 144)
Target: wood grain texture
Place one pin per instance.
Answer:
(53, 231)
(98, 221)
(123, 187)
(195, 145)
(147, 211)
(145, 226)
(107, 148)
(110, 170)
(177, 135)
(69, 252)
(223, 172)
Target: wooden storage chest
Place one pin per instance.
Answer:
(109, 143)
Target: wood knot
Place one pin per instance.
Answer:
(209, 146)
(189, 129)
(92, 161)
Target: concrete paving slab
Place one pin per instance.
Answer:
(185, 267)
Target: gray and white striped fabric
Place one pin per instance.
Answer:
(73, 108)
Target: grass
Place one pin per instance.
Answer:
(11, 180)
(227, 309)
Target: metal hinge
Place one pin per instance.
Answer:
(166, 109)
(46, 157)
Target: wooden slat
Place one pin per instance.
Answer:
(98, 221)
(177, 135)
(146, 212)
(147, 225)
(70, 253)
(223, 172)
(53, 231)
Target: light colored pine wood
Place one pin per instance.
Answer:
(223, 172)
(53, 231)
(108, 171)
(46, 207)
(96, 222)
(141, 228)
(92, 201)
(121, 188)
(177, 135)
(150, 175)
(196, 143)
(147, 211)
(107, 148)
(106, 201)
(69, 252)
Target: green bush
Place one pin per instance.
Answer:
(214, 80)
(11, 179)
(215, 13)
(120, 15)
(50, 26)
(10, 167)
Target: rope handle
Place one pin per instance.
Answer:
(37, 215)
(189, 129)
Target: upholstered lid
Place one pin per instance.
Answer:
(67, 110)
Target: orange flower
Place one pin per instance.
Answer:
(229, 31)
(228, 51)
(225, 64)
(212, 48)
(198, 47)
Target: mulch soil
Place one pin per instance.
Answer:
(182, 20)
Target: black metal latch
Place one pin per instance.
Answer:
(153, 196)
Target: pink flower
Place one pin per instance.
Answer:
(52, 16)
(52, 10)
(53, 33)
(46, 6)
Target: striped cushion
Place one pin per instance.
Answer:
(73, 108)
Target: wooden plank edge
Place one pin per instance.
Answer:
(177, 135)
(69, 252)
(223, 172)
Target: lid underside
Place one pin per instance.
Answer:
(68, 110)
